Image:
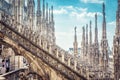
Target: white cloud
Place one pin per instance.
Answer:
(92, 1)
(82, 9)
(111, 24)
(69, 7)
(76, 12)
(61, 11)
(85, 14)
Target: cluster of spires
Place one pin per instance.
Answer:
(44, 20)
(40, 21)
(90, 51)
(45, 15)
(42, 15)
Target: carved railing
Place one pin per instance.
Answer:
(20, 74)
(30, 42)
(14, 75)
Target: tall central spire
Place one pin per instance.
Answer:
(75, 44)
(104, 23)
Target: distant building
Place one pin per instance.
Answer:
(71, 51)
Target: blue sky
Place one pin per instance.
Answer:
(71, 13)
